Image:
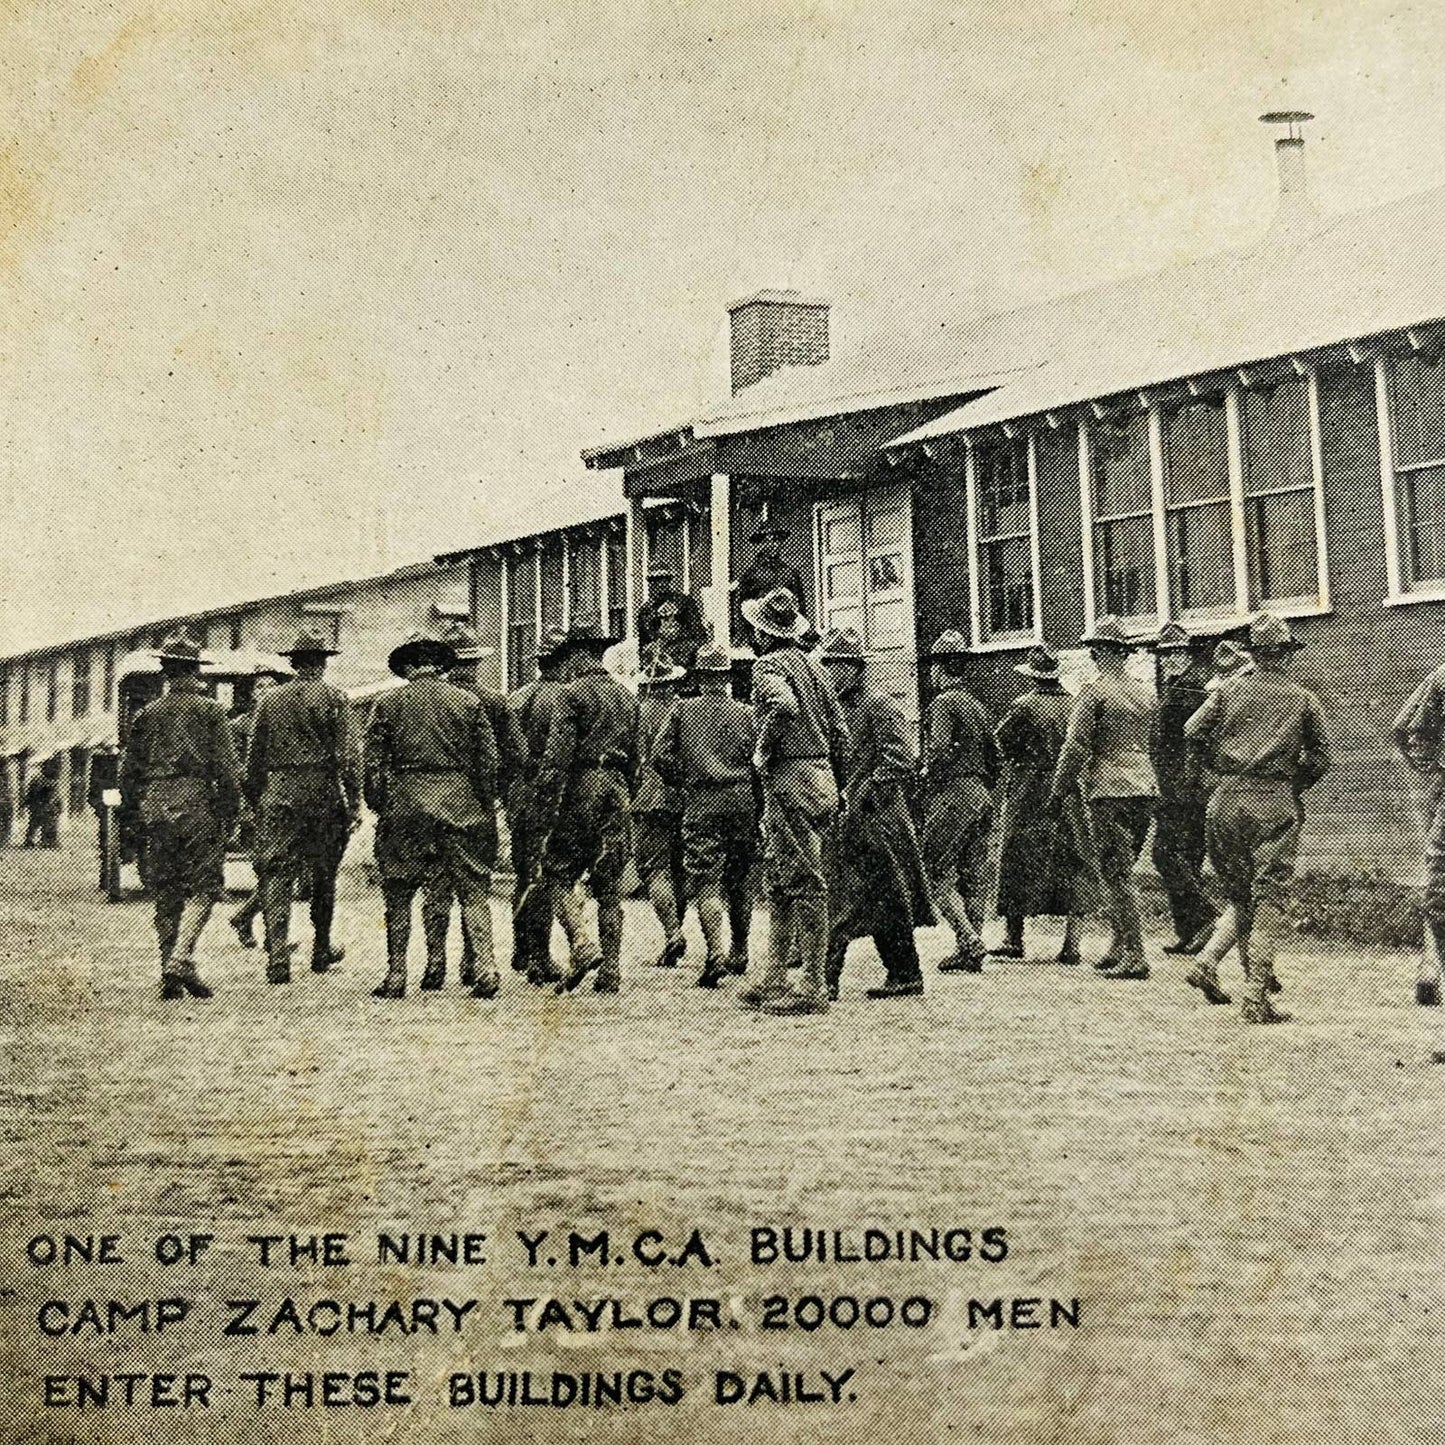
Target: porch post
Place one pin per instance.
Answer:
(718, 597)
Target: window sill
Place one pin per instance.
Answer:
(1012, 642)
(1433, 593)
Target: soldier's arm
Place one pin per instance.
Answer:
(484, 753)
(132, 763)
(373, 785)
(253, 776)
(989, 744)
(1078, 745)
(774, 700)
(561, 747)
(511, 745)
(348, 754)
(667, 751)
(1417, 731)
(226, 764)
(1314, 759)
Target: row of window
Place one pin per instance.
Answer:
(1212, 505)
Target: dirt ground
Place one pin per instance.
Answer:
(1245, 1223)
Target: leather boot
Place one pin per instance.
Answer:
(1432, 964)
(585, 952)
(774, 982)
(479, 966)
(1258, 951)
(276, 911)
(609, 940)
(810, 919)
(398, 940)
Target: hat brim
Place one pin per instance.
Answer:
(178, 657)
(1113, 644)
(1024, 670)
(856, 658)
(752, 615)
(294, 652)
(415, 654)
(771, 534)
(658, 679)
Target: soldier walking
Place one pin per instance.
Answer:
(1179, 847)
(706, 748)
(1265, 736)
(180, 770)
(1419, 734)
(961, 769)
(303, 779)
(657, 808)
(1108, 751)
(586, 781)
(878, 887)
(801, 737)
(1047, 866)
(431, 778)
(438, 895)
(243, 920)
(533, 705)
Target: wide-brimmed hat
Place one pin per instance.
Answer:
(776, 614)
(767, 533)
(552, 643)
(1109, 632)
(421, 649)
(464, 642)
(950, 644)
(179, 648)
(308, 644)
(1042, 664)
(1173, 638)
(842, 644)
(711, 658)
(1229, 656)
(1268, 633)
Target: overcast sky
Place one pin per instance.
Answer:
(286, 297)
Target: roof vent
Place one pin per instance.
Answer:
(1295, 212)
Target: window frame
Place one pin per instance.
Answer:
(981, 637)
(1399, 591)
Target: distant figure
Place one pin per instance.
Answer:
(670, 619)
(180, 770)
(104, 776)
(42, 804)
(1420, 736)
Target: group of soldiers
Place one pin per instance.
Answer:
(816, 776)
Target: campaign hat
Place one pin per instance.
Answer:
(711, 658)
(776, 614)
(842, 644)
(420, 649)
(951, 643)
(1042, 664)
(308, 644)
(178, 647)
(1268, 633)
(1109, 632)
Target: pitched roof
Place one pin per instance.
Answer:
(1354, 276)
(595, 496)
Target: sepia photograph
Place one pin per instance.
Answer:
(722, 722)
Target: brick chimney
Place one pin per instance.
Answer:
(773, 329)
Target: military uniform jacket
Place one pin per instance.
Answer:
(655, 794)
(960, 743)
(1263, 726)
(506, 733)
(594, 725)
(800, 718)
(181, 745)
(430, 752)
(533, 705)
(1110, 742)
(1176, 759)
(1420, 731)
(707, 749)
(303, 728)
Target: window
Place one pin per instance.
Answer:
(1197, 509)
(24, 692)
(52, 690)
(80, 686)
(235, 634)
(552, 584)
(1279, 493)
(616, 545)
(4, 705)
(109, 682)
(521, 576)
(1411, 394)
(1120, 501)
(1002, 510)
(584, 579)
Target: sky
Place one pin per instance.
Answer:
(292, 294)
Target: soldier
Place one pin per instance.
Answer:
(670, 619)
(42, 804)
(303, 779)
(657, 808)
(706, 748)
(179, 768)
(1183, 791)
(533, 705)
(438, 894)
(1420, 736)
(104, 775)
(1046, 863)
(1265, 736)
(1108, 750)
(243, 920)
(801, 737)
(767, 570)
(961, 766)
(431, 778)
(877, 887)
(585, 783)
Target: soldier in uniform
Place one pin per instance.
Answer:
(532, 705)
(961, 768)
(670, 619)
(303, 779)
(438, 893)
(706, 749)
(180, 770)
(1108, 750)
(42, 804)
(877, 885)
(243, 920)
(801, 738)
(1419, 734)
(586, 781)
(657, 808)
(1046, 862)
(431, 778)
(1183, 791)
(104, 775)
(767, 570)
(1265, 736)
